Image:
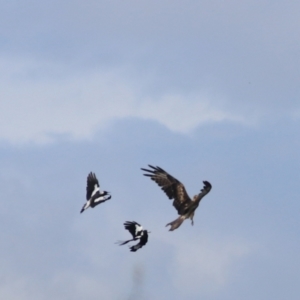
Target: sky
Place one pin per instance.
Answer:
(207, 90)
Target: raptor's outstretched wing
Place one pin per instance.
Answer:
(173, 188)
(205, 190)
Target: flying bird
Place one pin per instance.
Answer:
(93, 194)
(138, 233)
(175, 190)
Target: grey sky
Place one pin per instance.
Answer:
(207, 90)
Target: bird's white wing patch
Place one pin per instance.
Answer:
(87, 205)
(138, 230)
(99, 199)
(96, 189)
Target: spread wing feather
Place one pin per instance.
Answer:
(205, 190)
(173, 188)
(92, 185)
(133, 227)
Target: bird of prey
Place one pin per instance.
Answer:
(93, 194)
(138, 233)
(175, 190)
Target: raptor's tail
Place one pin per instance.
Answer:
(176, 223)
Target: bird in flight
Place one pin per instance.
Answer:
(93, 194)
(138, 233)
(175, 190)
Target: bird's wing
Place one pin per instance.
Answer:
(205, 190)
(133, 227)
(144, 238)
(92, 186)
(100, 199)
(173, 188)
(143, 242)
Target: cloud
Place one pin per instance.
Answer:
(40, 101)
(183, 113)
(71, 66)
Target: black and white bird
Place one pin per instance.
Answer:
(175, 190)
(138, 233)
(93, 194)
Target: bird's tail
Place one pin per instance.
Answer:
(85, 206)
(176, 223)
(135, 247)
